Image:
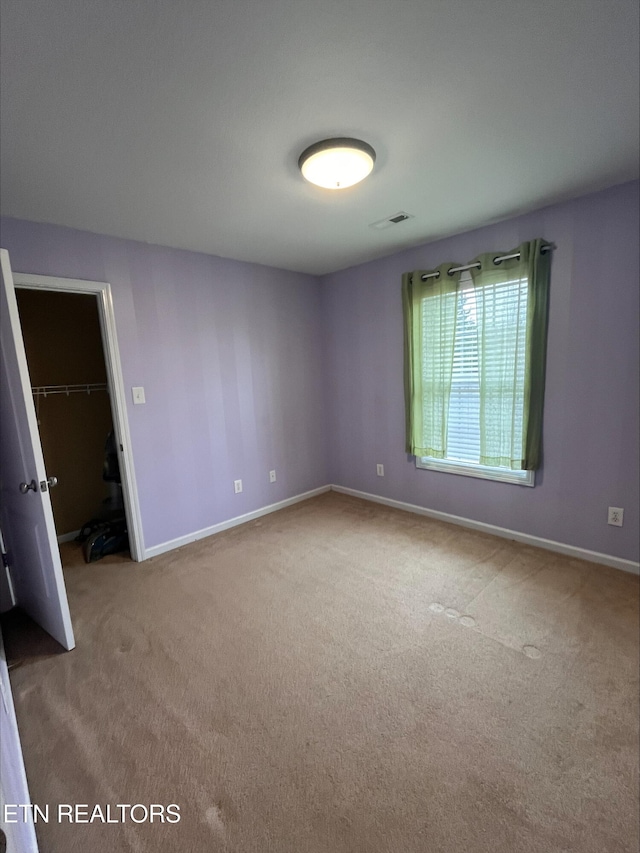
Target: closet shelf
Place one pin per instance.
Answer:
(83, 388)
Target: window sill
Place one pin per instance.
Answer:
(483, 472)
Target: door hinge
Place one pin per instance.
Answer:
(5, 560)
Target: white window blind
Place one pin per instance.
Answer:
(463, 428)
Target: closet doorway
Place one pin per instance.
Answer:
(69, 335)
(62, 340)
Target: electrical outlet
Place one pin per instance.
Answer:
(616, 516)
(272, 476)
(237, 486)
(380, 470)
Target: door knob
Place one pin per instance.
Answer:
(53, 481)
(25, 487)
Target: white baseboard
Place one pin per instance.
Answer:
(232, 522)
(503, 532)
(67, 537)
(536, 541)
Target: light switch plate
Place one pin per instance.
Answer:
(138, 395)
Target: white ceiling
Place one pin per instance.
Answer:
(180, 122)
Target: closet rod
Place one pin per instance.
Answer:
(86, 387)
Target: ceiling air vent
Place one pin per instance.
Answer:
(401, 216)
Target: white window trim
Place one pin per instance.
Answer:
(483, 472)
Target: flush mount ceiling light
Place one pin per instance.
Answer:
(337, 163)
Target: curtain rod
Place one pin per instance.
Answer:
(497, 260)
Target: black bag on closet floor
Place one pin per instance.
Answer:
(90, 528)
(104, 539)
(107, 532)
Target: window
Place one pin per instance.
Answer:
(474, 365)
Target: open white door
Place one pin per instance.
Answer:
(14, 790)
(26, 516)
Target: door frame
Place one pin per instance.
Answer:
(102, 291)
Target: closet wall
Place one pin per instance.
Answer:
(64, 347)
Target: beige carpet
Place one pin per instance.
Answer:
(340, 677)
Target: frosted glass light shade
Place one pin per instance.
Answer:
(337, 163)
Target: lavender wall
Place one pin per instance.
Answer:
(591, 409)
(230, 356)
(248, 368)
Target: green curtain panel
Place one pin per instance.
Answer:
(430, 309)
(539, 264)
(512, 299)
